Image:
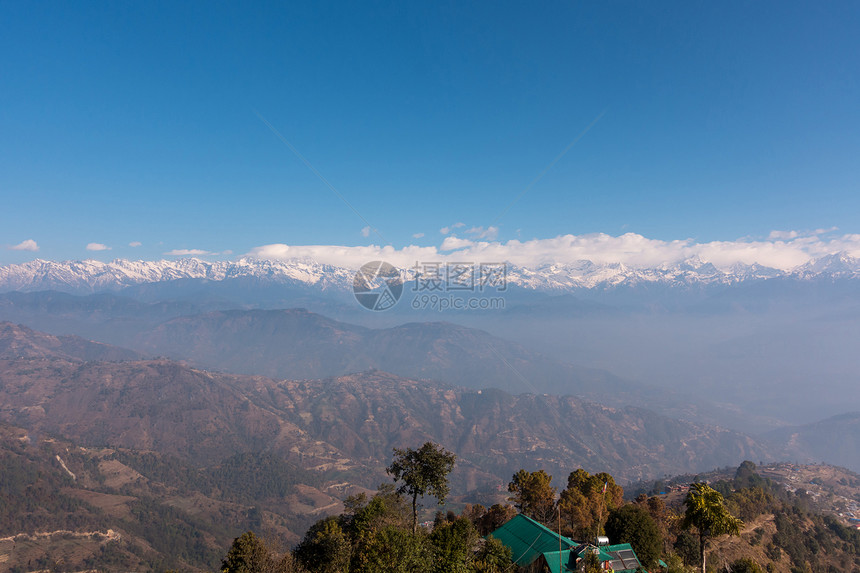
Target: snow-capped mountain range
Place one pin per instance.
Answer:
(94, 276)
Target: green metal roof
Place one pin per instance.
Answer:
(529, 539)
(566, 564)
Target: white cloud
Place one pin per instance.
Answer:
(227, 252)
(453, 243)
(418, 235)
(135, 244)
(97, 247)
(349, 257)
(449, 228)
(823, 231)
(776, 235)
(28, 245)
(790, 235)
(629, 249)
(365, 232)
(490, 233)
(188, 252)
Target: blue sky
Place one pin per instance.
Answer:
(138, 122)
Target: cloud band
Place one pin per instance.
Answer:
(782, 250)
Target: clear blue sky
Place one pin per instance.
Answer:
(135, 121)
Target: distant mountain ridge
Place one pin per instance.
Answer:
(350, 423)
(299, 344)
(94, 276)
(17, 342)
(836, 439)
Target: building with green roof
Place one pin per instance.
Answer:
(528, 540)
(537, 547)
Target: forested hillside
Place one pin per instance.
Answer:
(776, 530)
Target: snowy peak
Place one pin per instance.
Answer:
(588, 275)
(95, 276)
(838, 265)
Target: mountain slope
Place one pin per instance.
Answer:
(496, 433)
(281, 343)
(299, 344)
(835, 439)
(18, 341)
(156, 405)
(71, 508)
(348, 424)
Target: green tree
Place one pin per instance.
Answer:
(493, 518)
(591, 563)
(746, 471)
(422, 471)
(533, 495)
(367, 517)
(676, 564)
(395, 550)
(453, 542)
(687, 547)
(325, 547)
(750, 502)
(249, 554)
(493, 557)
(584, 503)
(746, 565)
(634, 525)
(665, 519)
(708, 514)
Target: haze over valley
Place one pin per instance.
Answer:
(732, 349)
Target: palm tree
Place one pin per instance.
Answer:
(706, 512)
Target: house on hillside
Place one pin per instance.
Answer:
(538, 549)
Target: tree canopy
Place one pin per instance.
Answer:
(532, 494)
(374, 535)
(250, 554)
(586, 501)
(708, 514)
(423, 471)
(634, 525)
